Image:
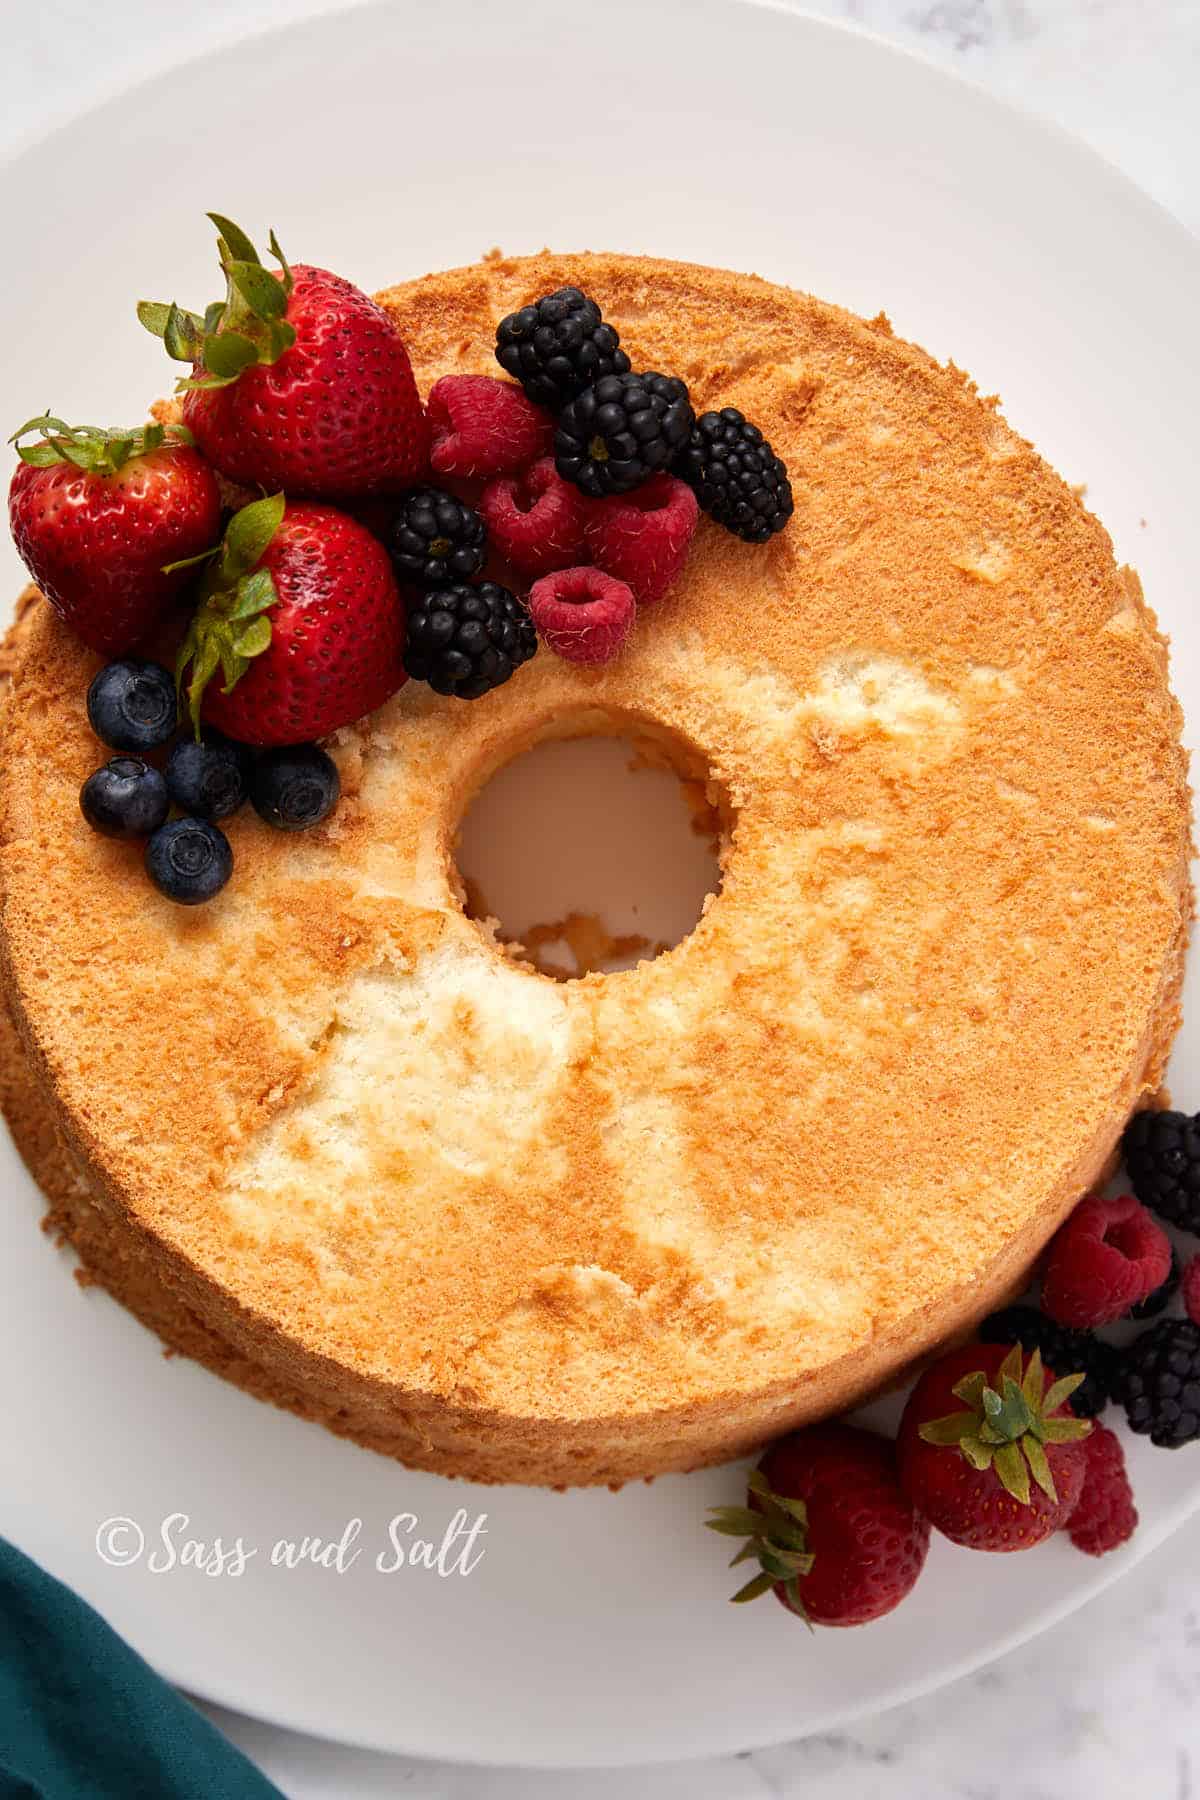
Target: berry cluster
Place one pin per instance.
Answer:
(132, 708)
(1000, 1443)
(582, 477)
(591, 477)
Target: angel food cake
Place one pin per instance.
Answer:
(330, 1136)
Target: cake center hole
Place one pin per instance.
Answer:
(592, 853)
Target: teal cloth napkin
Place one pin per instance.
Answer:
(82, 1717)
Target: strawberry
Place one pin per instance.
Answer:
(978, 1425)
(300, 381)
(832, 1531)
(99, 515)
(300, 611)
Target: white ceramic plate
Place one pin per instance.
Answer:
(383, 142)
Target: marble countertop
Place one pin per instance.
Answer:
(1107, 1703)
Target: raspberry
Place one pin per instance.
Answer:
(1106, 1258)
(583, 614)
(535, 520)
(482, 426)
(1191, 1290)
(643, 538)
(1105, 1515)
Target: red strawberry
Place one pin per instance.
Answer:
(482, 426)
(1108, 1257)
(1106, 1515)
(583, 614)
(300, 380)
(301, 614)
(978, 1426)
(98, 515)
(643, 537)
(536, 520)
(830, 1527)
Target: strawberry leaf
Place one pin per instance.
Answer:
(1013, 1471)
(1061, 1392)
(90, 448)
(279, 336)
(758, 1584)
(970, 1389)
(227, 353)
(734, 1521)
(182, 335)
(253, 595)
(977, 1453)
(1008, 1425)
(1034, 1385)
(288, 279)
(1040, 1467)
(1065, 1431)
(230, 626)
(180, 331)
(248, 534)
(950, 1430)
(259, 289)
(775, 1531)
(235, 239)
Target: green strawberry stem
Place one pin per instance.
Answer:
(776, 1534)
(92, 448)
(230, 626)
(245, 328)
(1007, 1428)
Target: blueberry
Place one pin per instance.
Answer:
(189, 860)
(209, 780)
(131, 705)
(295, 788)
(124, 799)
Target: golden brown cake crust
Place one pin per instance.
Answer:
(530, 1231)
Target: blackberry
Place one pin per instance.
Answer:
(558, 346)
(621, 430)
(1158, 1383)
(1159, 1300)
(467, 640)
(435, 539)
(737, 477)
(1066, 1352)
(1161, 1151)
